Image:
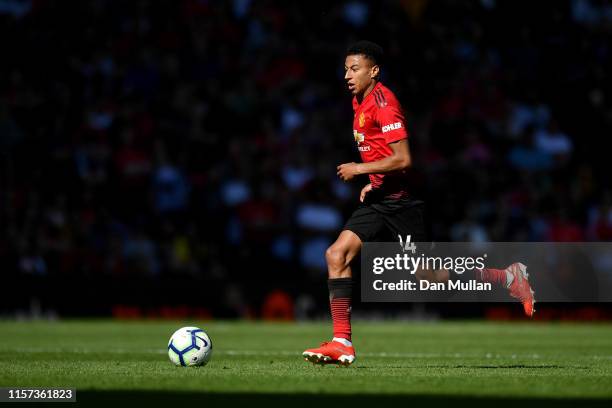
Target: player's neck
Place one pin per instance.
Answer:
(365, 93)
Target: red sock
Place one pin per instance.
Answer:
(341, 315)
(497, 276)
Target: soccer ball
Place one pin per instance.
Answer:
(189, 346)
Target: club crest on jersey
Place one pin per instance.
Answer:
(359, 137)
(361, 119)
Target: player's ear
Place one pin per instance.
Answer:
(374, 71)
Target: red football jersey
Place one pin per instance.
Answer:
(379, 121)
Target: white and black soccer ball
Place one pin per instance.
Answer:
(190, 346)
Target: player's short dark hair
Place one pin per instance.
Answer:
(369, 49)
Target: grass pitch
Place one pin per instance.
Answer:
(464, 363)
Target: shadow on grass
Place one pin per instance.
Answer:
(522, 366)
(114, 399)
(512, 366)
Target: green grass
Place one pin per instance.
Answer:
(428, 363)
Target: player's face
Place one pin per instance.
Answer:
(359, 73)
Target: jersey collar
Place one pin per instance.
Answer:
(357, 104)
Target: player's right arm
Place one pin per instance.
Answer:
(399, 159)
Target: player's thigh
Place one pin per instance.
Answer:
(367, 224)
(408, 221)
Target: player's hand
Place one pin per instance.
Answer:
(347, 171)
(365, 190)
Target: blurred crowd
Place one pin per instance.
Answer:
(201, 138)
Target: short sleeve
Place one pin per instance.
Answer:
(392, 123)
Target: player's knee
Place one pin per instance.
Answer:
(336, 258)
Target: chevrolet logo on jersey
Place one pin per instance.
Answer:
(359, 137)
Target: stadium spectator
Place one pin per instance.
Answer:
(250, 120)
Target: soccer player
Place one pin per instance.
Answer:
(387, 210)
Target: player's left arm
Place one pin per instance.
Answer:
(400, 159)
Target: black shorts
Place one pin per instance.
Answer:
(383, 221)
